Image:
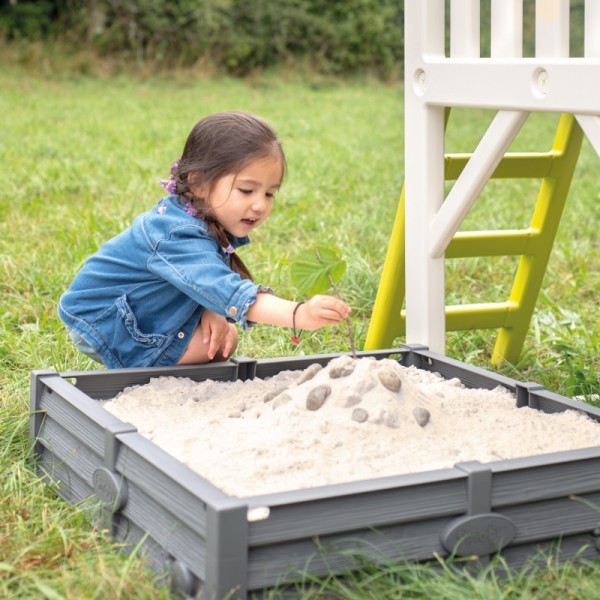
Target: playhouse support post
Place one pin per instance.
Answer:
(424, 169)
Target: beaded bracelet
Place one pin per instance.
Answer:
(296, 338)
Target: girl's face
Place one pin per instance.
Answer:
(241, 202)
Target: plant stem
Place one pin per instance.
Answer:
(337, 293)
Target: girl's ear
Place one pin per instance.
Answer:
(199, 189)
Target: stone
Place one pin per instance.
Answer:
(344, 369)
(421, 415)
(273, 394)
(364, 384)
(352, 399)
(360, 415)
(281, 400)
(391, 420)
(309, 373)
(317, 396)
(390, 380)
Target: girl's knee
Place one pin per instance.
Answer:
(197, 350)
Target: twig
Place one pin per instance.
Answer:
(337, 293)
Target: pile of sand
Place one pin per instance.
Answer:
(352, 420)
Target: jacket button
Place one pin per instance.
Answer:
(181, 335)
(233, 311)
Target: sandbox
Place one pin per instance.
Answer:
(211, 542)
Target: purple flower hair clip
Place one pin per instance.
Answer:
(190, 210)
(170, 184)
(230, 249)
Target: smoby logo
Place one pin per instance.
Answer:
(478, 534)
(109, 488)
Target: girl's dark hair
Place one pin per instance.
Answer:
(222, 144)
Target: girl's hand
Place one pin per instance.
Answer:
(320, 311)
(312, 314)
(216, 334)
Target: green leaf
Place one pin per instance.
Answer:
(310, 271)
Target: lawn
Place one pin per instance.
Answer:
(82, 156)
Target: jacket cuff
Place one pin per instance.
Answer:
(239, 304)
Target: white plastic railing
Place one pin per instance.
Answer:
(514, 86)
(507, 29)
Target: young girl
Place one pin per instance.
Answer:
(170, 288)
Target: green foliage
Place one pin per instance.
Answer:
(317, 271)
(159, 32)
(237, 36)
(333, 37)
(311, 271)
(453, 579)
(30, 20)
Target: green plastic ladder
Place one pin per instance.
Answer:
(532, 244)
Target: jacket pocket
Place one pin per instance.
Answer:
(128, 346)
(131, 325)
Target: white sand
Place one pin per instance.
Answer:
(247, 445)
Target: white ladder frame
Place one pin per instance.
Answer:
(507, 82)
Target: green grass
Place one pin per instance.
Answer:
(455, 580)
(81, 157)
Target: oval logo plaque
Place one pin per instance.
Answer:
(478, 534)
(109, 489)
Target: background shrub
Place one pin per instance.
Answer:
(338, 37)
(238, 36)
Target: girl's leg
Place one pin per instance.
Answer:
(83, 346)
(197, 350)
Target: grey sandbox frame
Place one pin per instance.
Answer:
(204, 540)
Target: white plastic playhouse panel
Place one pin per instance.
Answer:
(552, 81)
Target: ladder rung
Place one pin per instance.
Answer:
(515, 165)
(489, 315)
(505, 242)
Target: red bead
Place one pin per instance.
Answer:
(295, 339)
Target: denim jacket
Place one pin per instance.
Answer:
(138, 300)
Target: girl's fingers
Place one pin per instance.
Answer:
(340, 310)
(223, 343)
(212, 349)
(228, 345)
(205, 329)
(321, 311)
(334, 316)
